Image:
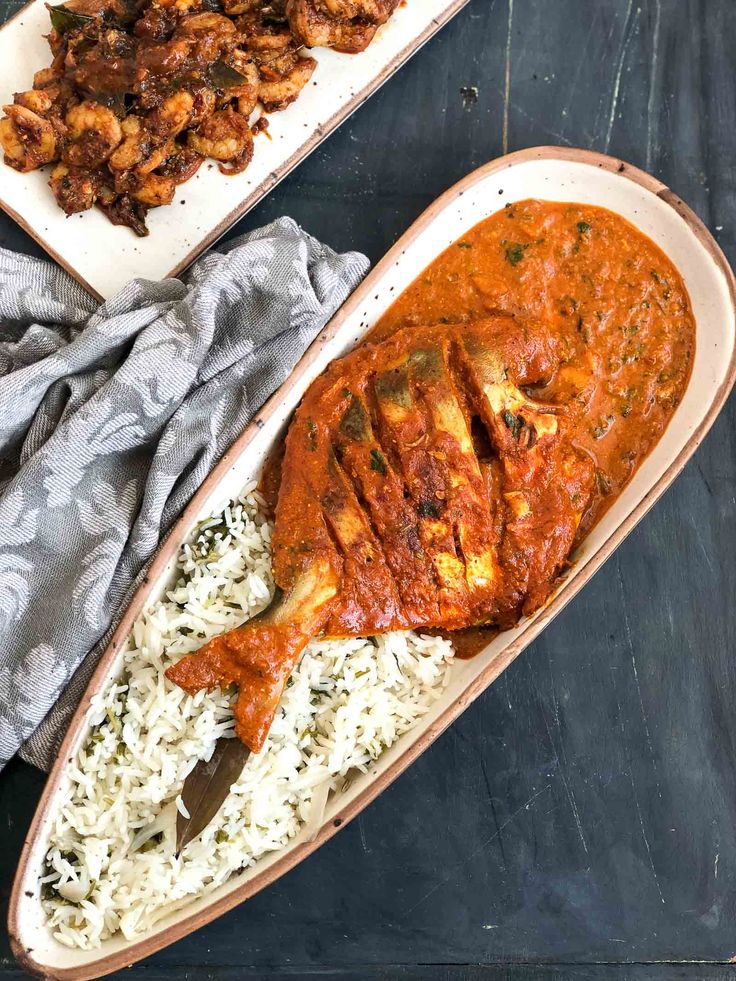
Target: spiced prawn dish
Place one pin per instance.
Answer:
(141, 92)
(434, 490)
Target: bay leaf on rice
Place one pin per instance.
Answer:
(206, 788)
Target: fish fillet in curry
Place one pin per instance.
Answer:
(421, 487)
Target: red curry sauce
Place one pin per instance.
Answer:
(610, 292)
(393, 514)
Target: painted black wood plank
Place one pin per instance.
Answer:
(584, 809)
(460, 972)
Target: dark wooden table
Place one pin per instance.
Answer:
(579, 821)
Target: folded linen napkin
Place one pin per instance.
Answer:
(111, 417)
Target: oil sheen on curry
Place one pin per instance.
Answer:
(441, 475)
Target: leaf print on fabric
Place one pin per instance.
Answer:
(107, 511)
(109, 518)
(94, 431)
(110, 418)
(14, 589)
(17, 527)
(154, 384)
(29, 704)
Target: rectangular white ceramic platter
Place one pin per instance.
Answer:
(551, 173)
(104, 257)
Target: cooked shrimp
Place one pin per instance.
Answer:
(140, 150)
(53, 85)
(212, 35)
(181, 6)
(226, 137)
(208, 23)
(155, 190)
(29, 141)
(173, 115)
(156, 158)
(279, 94)
(75, 188)
(265, 36)
(316, 29)
(153, 156)
(376, 11)
(247, 92)
(155, 24)
(204, 106)
(94, 132)
(35, 100)
(181, 165)
(44, 77)
(140, 92)
(165, 58)
(135, 145)
(234, 7)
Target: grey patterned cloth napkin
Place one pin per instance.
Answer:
(111, 416)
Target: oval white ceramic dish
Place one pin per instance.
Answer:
(551, 173)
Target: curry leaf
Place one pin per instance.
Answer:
(63, 19)
(224, 76)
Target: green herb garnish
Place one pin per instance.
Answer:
(115, 723)
(513, 423)
(426, 509)
(378, 463)
(218, 529)
(515, 252)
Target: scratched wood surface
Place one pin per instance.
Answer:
(579, 821)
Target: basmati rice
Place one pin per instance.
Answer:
(110, 864)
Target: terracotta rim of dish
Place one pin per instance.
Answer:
(187, 924)
(270, 182)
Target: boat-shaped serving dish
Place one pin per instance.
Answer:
(104, 257)
(549, 173)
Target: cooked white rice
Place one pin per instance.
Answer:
(110, 864)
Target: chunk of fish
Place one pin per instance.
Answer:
(421, 487)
